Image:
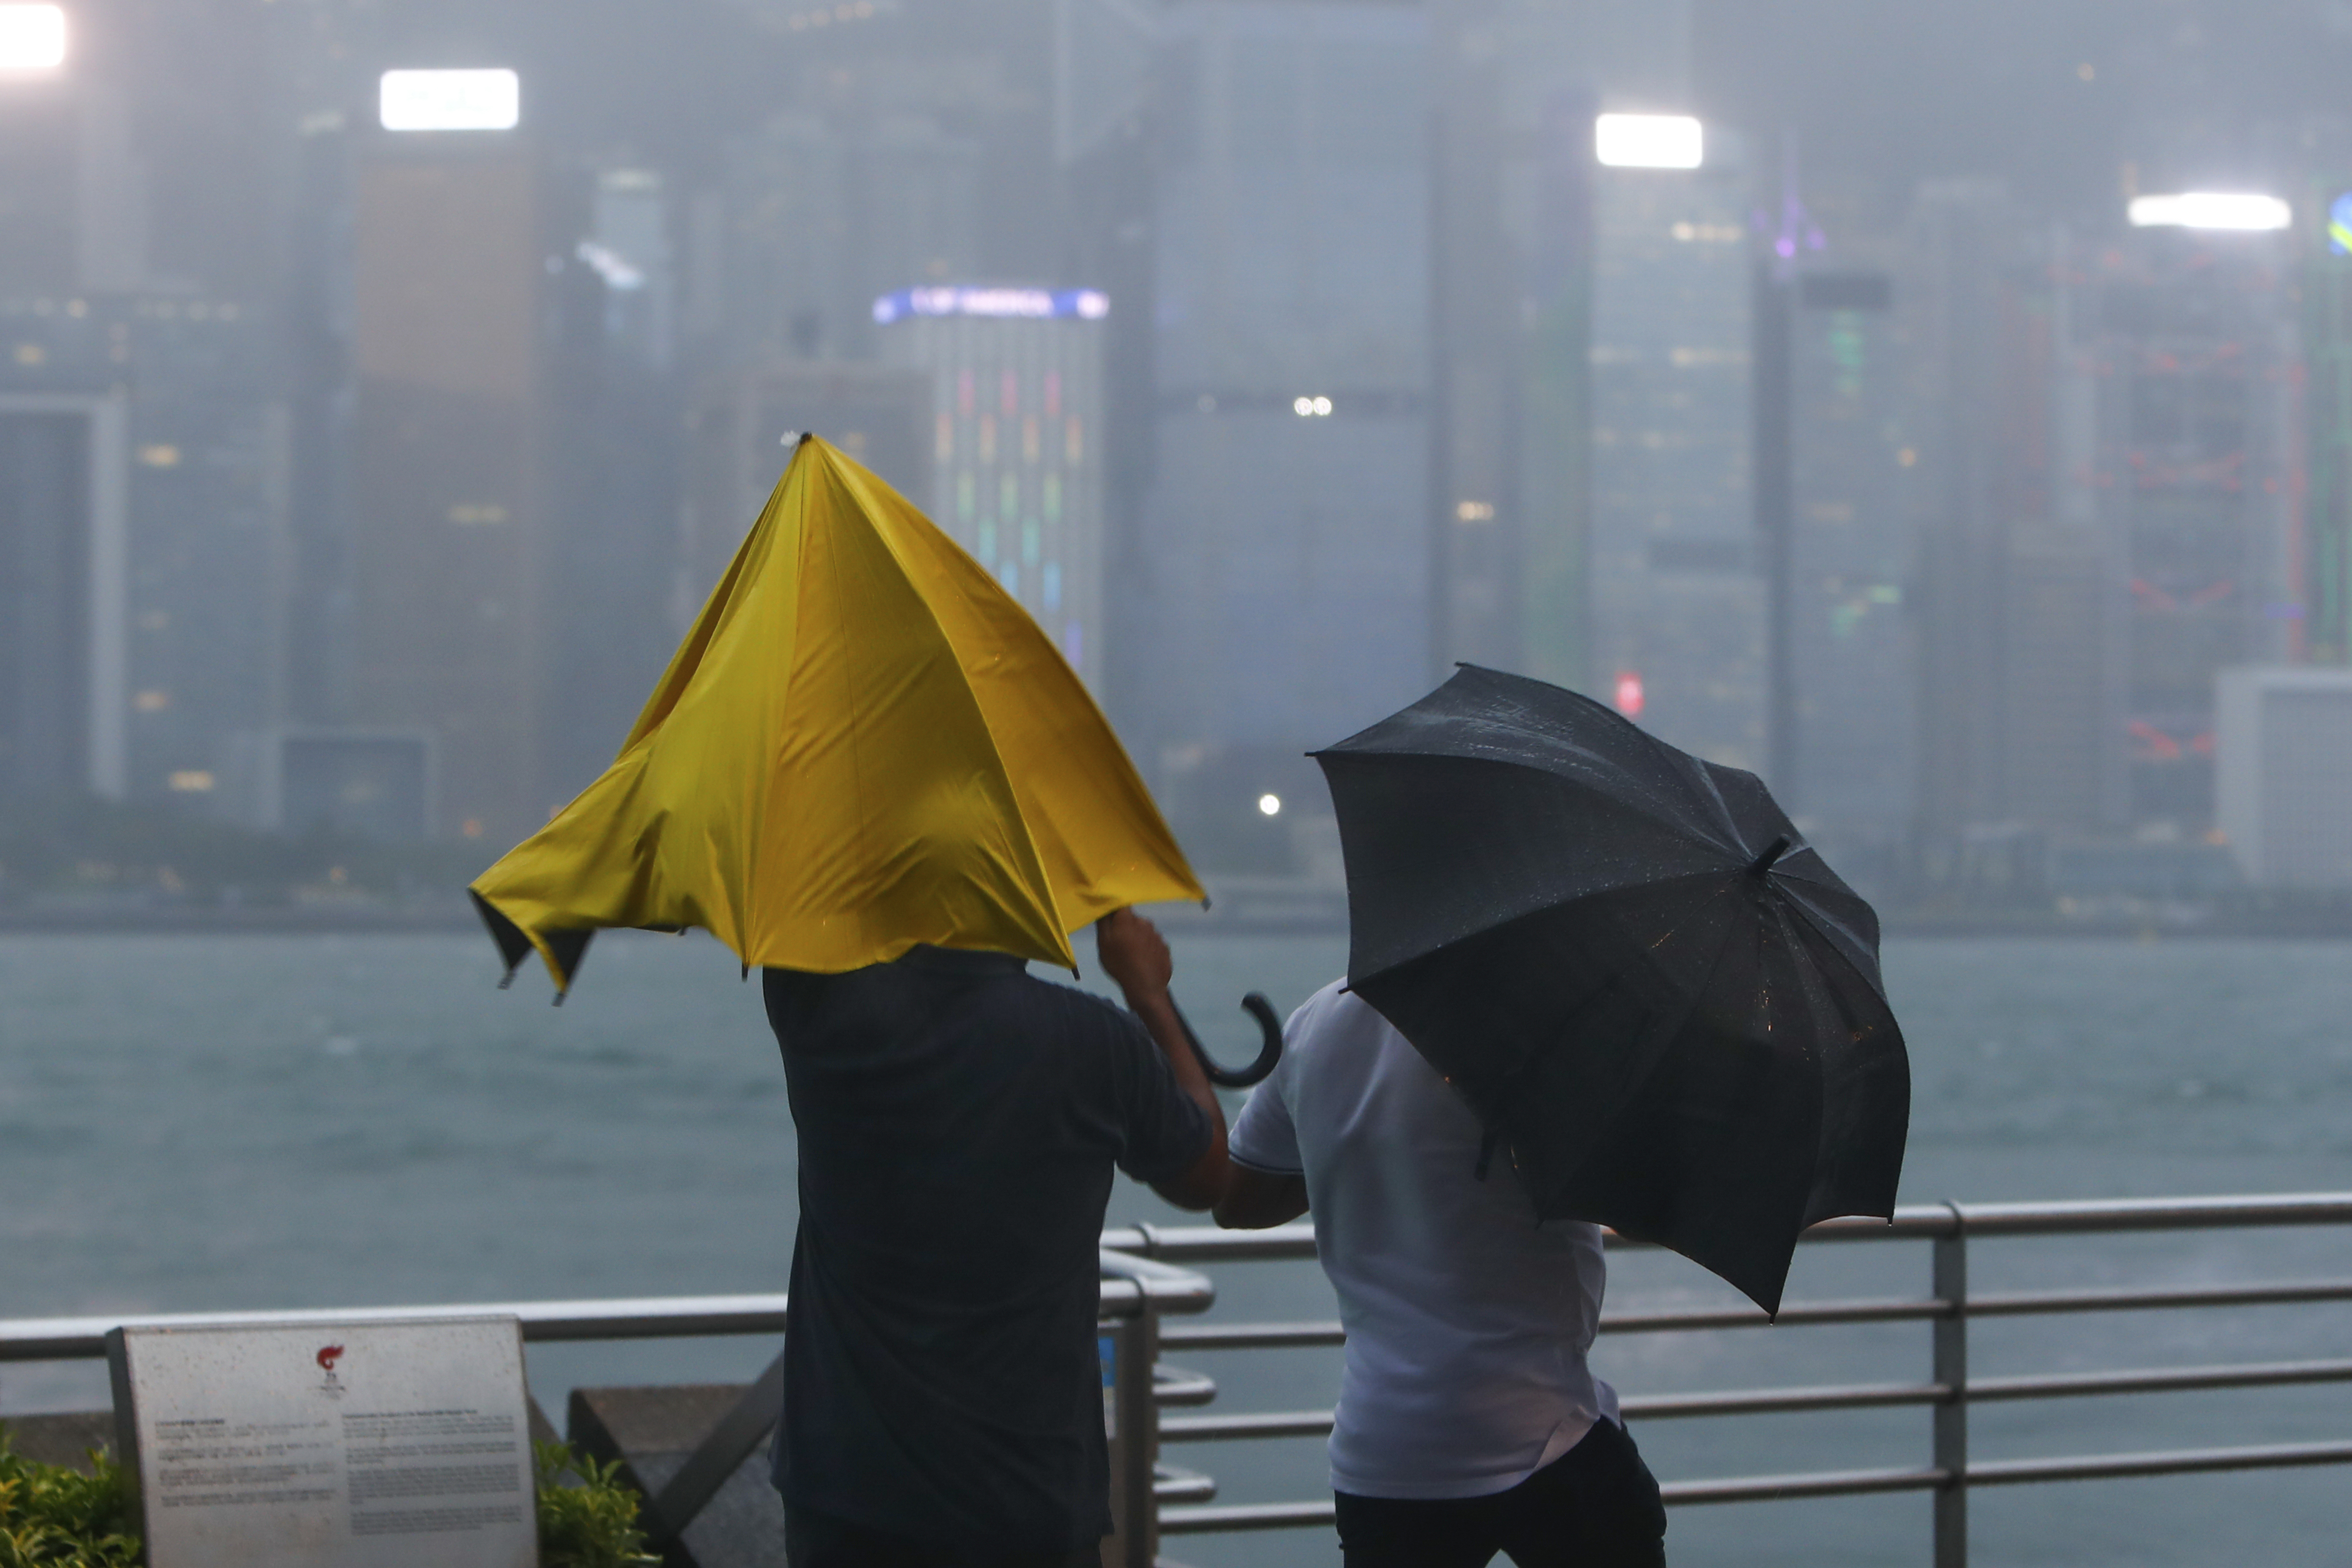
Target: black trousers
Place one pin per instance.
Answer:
(1596, 1506)
(814, 1539)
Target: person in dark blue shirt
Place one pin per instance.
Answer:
(959, 1123)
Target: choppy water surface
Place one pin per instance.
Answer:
(195, 1123)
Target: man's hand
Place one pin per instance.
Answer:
(1134, 954)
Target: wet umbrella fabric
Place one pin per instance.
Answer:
(1657, 997)
(864, 743)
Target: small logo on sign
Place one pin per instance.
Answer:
(328, 1356)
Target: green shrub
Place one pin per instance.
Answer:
(55, 1517)
(589, 1521)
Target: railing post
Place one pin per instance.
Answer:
(1134, 1440)
(1951, 1372)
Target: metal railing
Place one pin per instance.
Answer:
(1948, 1391)
(1145, 1280)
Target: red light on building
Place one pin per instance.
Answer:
(1629, 693)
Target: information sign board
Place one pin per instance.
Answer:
(383, 1444)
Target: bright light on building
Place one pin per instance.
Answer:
(1649, 142)
(32, 37)
(1629, 701)
(450, 100)
(1269, 806)
(1311, 407)
(1035, 304)
(2210, 209)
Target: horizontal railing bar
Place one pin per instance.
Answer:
(2172, 1380)
(1208, 1244)
(1830, 1396)
(2178, 1462)
(657, 1317)
(1230, 1428)
(1244, 1516)
(1858, 1309)
(2031, 1303)
(1250, 1336)
(1816, 1484)
(73, 1339)
(1848, 1483)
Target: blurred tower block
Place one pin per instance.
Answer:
(1016, 438)
(1674, 592)
(1280, 577)
(1851, 755)
(453, 274)
(174, 528)
(2176, 421)
(62, 587)
(2285, 749)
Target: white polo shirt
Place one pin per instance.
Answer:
(1467, 1322)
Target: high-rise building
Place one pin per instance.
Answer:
(1015, 430)
(146, 525)
(1847, 768)
(2178, 421)
(450, 524)
(1279, 578)
(1674, 595)
(1517, 84)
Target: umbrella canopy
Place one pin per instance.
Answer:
(1654, 993)
(864, 743)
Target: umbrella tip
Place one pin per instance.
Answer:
(1772, 851)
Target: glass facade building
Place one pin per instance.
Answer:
(1674, 591)
(1015, 442)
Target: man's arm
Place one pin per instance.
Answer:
(1134, 954)
(1256, 1200)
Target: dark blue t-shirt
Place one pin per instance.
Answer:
(959, 1120)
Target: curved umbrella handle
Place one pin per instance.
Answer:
(1270, 1052)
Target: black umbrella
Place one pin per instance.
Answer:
(1659, 1000)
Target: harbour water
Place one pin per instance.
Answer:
(193, 1122)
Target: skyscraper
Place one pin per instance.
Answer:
(450, 290)
(1850, 761)
(1280, 576)
(1015, 441)
(1675, 596)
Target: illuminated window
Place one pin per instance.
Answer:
(32, 37)
(1073, 447)
(190, 781)
(151, 700)
(160, 456)
(943, 438)
(1648, 140)
(450, 100)
(1050, 498)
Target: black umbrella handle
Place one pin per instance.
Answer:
(1269, 1029)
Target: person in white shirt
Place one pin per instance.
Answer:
(1469, 1422)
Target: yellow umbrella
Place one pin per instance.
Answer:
(864, 743)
